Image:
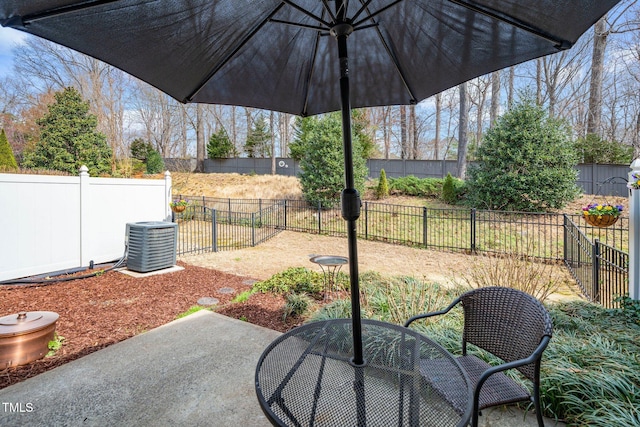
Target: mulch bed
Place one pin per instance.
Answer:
(102, 310)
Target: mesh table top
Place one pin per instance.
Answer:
(306, 378)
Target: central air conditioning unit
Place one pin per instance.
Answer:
(152, 245)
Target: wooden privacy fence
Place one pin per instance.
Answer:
(595, 256)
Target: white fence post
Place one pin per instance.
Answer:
(167, 195)
(84, 215)
(634, 234)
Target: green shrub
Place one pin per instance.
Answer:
(7, 159)
(594, 149)
(382, 189)
(319, 146)
(297, 305)
(413, 186)
(525, 163)
(155, 163)
(452, 189)
(292, 280)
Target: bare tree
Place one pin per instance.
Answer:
(43, 66)
(600, 34)
(272, 131)
(463, 128)
(495, 98)
(436, 139)
(200, 144)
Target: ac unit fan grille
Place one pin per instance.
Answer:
(152, 245)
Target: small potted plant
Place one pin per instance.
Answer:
(179, 205)
(601, 215)
(634, 182)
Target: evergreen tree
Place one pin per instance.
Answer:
(318, 143)
(154, 162)
(68, 138)
(525, 163)
(144, 151)
(140, 149)
(7, 160)
(382, 189)
(259, 139)
(220, 146)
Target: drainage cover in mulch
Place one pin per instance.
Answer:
(208, 301)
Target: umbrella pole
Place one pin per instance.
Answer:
(350, 197)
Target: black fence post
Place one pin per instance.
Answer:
(319, 217)
(473, 230)
(424, 226)
(596, 271)
(366, 220)
(214, 230)
(253, 229)
(565, 220)
(285, 214)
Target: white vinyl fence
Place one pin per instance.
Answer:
(52, 223)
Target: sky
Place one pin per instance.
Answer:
(9, 38)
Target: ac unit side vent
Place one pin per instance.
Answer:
(152, 245)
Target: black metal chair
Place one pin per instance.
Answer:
(511, 325)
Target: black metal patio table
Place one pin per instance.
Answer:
(306, 378)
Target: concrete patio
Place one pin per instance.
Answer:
(196, 371)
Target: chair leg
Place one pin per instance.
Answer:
(536, 404)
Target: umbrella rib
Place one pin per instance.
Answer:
(377, 12)
(396, 64)
(328, 10)
(314, 55)
(306, 12)
(232, 53)
(58, 11)
(510, 20)
(393, 57)
(297, 24)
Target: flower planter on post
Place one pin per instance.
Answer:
(601, 215)
(179, 205)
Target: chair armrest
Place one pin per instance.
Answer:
(537, 353)
(434, 313)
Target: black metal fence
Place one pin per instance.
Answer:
(601, 271)
(213, 224)
(204, 229)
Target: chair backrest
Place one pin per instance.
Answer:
(505, 322)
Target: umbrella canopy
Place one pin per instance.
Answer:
(291, 55)
(278, 55)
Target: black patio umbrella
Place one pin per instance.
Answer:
(291, 55)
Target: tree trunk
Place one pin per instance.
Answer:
(403, 133)
(414, 131)
(234, 132)
(636, 139)
(539, 81)
(436, 140)
(385, 132)
(273, 142)
(512, 77)
(463, 132)
(495, 98)
(600, 34)
(199, 139)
